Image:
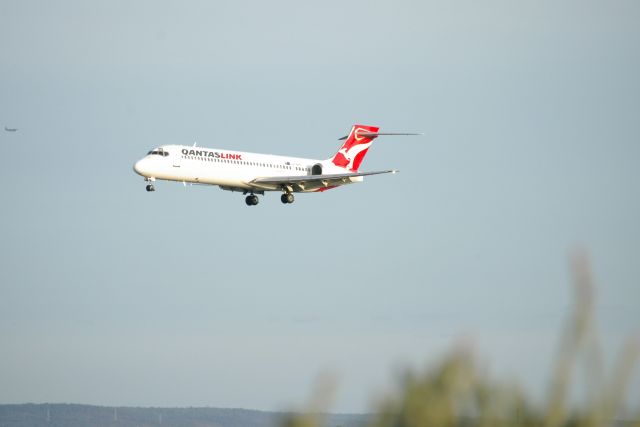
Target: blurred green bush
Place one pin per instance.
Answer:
(455, 393)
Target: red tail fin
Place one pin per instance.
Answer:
(350, 155)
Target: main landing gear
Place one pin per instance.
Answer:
(150, 187)
(251, 200)
(286, 198)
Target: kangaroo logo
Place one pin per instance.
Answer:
(355, 147)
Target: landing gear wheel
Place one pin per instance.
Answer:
(287, 198)
(252, 200)
(150, 187)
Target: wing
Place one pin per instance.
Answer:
(310, 182)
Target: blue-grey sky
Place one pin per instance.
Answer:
(186, 297)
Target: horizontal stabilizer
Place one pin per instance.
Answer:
(377, 134)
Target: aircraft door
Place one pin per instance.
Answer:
(175, 159)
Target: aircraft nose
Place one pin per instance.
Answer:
(138, 167)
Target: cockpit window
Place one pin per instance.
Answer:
(159, 152)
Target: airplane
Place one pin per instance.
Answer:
(10, 129)
(253, 173)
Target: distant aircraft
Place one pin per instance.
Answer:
(10, 129)
(252, 173)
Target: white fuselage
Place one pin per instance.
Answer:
(231, 170)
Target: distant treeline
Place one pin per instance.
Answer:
(68, 415)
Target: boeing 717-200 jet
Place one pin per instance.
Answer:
(252, 173)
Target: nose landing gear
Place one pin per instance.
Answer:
(150, 187)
